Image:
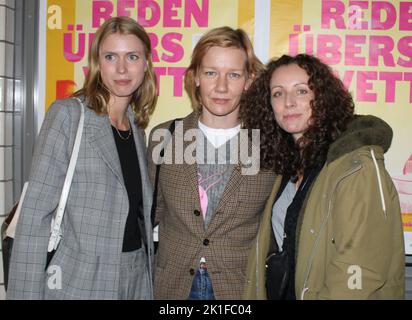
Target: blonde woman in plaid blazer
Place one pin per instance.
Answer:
(93, 259)
(202, 252)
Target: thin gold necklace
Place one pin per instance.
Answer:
(118, 132)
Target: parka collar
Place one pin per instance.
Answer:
(363, 130)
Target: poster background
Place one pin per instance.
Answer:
(63, 76)
(368, 43)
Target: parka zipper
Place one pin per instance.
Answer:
(315, 247)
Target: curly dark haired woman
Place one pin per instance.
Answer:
(332, 226)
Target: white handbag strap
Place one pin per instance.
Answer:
(55, 233)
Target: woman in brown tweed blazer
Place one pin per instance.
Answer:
(209, 211)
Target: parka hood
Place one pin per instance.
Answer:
(363, 130)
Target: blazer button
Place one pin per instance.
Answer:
(192, 271)
(206, 242)
(197, 213)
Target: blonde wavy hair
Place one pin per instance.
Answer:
(144, 99)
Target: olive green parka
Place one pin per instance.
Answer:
(349, 235)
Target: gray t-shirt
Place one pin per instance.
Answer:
(279, 211)
(213, 171)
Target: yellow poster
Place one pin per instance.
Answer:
(368, 43)
(173, 26)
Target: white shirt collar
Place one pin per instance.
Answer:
(218, 137)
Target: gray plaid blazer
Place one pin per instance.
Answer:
(182, 235)
(87, 260)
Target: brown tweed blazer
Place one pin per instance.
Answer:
(182, 237)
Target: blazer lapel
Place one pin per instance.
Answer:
(147, 192)
(231, 188)
(101, 139)
(191, 169)
(141, 156)
(236, 179)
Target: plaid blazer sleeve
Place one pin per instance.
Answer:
(49, 166)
